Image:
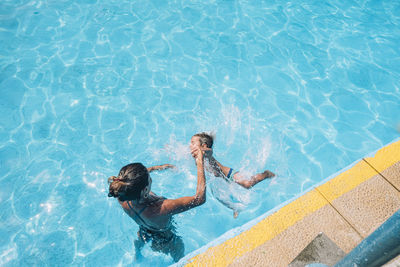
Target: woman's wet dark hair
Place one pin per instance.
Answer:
(206, 138)
(131, 180)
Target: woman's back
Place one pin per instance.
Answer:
(148, 214)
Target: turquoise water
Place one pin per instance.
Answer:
(301, 88)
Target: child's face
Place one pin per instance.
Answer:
(195, 142)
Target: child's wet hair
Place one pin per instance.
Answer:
(206, 138)
(131, 180)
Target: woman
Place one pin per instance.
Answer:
(154, 213)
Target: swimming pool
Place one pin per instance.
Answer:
(301, 88)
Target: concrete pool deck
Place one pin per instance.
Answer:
(346, 207)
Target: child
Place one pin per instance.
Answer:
(154, 213)
(205, 142)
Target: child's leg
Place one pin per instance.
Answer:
(255, 179)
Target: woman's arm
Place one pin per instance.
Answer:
(174, 206)
(160, 167)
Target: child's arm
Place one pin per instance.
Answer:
(217, 168)
(160, 167)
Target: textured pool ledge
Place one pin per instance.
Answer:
(346, 207)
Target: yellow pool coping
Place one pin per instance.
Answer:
(277, 221)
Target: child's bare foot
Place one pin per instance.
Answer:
(235, 214)
(268, 174)
(254, 179)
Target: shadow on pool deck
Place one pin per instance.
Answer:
(346, 208)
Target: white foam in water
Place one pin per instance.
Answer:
(177, 150)
(232, 122)
(231, 195)
(255, 158)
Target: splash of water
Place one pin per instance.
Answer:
(176, 150)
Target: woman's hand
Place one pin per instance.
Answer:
(167, 166)
(199, 154)
(160, 167)
(205, 151)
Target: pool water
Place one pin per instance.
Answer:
(302, 88)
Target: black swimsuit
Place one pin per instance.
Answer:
(163, 240)
(160, 237)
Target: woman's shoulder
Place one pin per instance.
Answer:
(123, 204)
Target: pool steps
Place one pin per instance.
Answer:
(347, 207)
